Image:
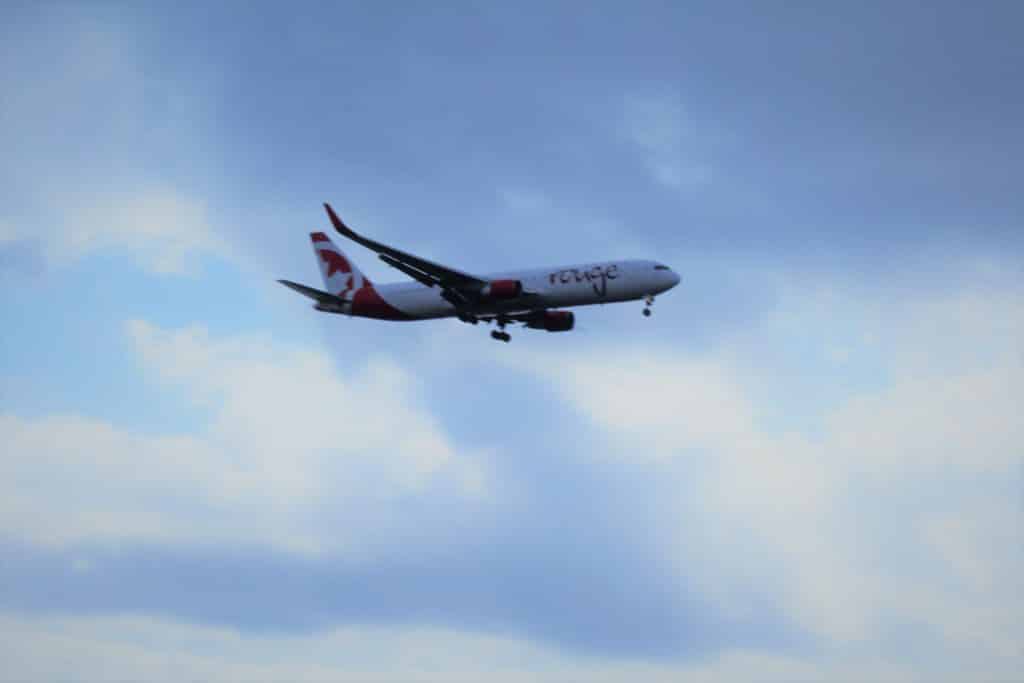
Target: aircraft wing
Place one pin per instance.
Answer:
(419, 269)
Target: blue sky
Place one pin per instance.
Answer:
(805, 466)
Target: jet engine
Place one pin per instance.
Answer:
(552, 321)
(502, 289)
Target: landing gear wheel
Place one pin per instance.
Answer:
(648, 301)
(501, 336)
(647, 312)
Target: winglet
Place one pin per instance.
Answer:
(338, 224)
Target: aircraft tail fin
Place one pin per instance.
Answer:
(341, 277)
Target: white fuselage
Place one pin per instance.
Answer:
(556, 287)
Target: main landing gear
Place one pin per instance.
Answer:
(648, 300)
(500, 334)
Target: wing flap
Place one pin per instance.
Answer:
(414, 273)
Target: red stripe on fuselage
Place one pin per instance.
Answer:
(367, 303)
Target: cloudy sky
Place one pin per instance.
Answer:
(808, 465)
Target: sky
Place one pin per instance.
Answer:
(807, 465)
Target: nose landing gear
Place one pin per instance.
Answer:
(648, 300)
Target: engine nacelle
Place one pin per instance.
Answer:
(502, 289)
(552, 321)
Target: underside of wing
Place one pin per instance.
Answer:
(538, 319)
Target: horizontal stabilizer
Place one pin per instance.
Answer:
(317, 295)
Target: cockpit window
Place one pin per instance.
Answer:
(660, 267)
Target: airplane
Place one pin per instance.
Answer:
(528, 297)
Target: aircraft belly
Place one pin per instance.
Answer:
(421, 303)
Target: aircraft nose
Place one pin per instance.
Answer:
(673, 279)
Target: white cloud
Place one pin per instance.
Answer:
(288, 436)
(665, 134)
(867, 521)
(679, 176)
(968, 422)
(7, 233)
(82, 649)
(160, 227)
(89, 133)
(628, 397)
(523, 199)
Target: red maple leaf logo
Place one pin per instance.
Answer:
(335, 262)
